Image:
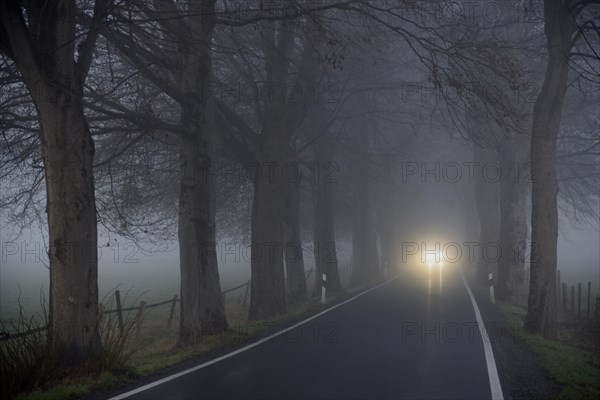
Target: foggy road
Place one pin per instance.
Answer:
(414, 337)
(171, 169)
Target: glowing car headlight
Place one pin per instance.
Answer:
(433, 259)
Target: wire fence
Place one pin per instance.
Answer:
(575, 300)
(141, 308)
(581, 303)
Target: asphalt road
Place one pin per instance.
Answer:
(415, 337)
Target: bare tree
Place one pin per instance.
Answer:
(43, 43)
(562, 31)
(187, 36)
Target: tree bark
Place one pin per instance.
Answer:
(387, 234)
(187, 32)
(266, 253)
(325, 250)
(202, 304)
(294, 257)
(386, 221)
(279, 119)
(187, 37)
(43, 48)
(513, 224)
(541, 311)
(486, 197)
(71, 206)
(365, 259)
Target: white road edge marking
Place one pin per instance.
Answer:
(495, 386)
(248, 347)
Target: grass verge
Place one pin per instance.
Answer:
(73, 388)
(157, 350)
(573, 361)
(165, 354)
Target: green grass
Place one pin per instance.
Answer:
(69, 389)
(575, 367)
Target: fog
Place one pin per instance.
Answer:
(157, 272)
(174, 172)
(437, 212)
(436, 177)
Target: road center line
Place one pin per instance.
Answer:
(495, 386)
(248, 347)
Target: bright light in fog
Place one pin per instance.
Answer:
(433, 258)
(429, 251)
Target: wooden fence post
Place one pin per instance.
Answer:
(139, 318)
(564, 296)
(246, 293)
(172, 312)
(573, 299)
(589, 298)
(579, 299)
(119, 311)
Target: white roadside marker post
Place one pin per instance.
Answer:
(491, 279)
(323, 290)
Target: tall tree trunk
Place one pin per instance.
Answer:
(513, 224)
(43, 48)
(187, 32)
(486, 197)
(202, 303)
(514, 189)
(280, 119)
(325, 250)
(365, 260)
(387, 234)
(386, 221)
(68, 152)
(294, 257)
(541, 310)
(373, 250)
(471, 219)
(267, 283)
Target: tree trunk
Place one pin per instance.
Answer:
(68, 152)
(387, 234)
(267, 283)
(46, 61)
(294, 258)
(325, 250)
(202, 303)
(279, 120)
(513, 224)
(386, 222)
(541, 310)
(365, 260)
(373, 251)
(486, 197)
